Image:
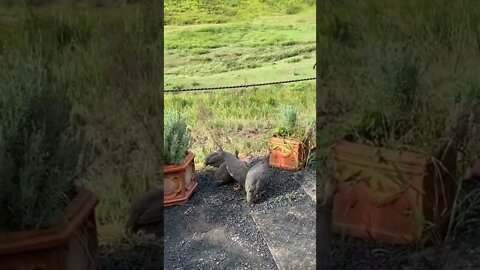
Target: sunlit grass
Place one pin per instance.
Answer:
(263, 49)
(243, 119)
(260, 50)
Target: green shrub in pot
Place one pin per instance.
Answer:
(177, 138)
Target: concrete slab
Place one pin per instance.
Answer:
(290, 235)
(309, 184)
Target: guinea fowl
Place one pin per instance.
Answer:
(237, 170)
(146, 209)
(222, 175)
(217, 158)
(257, 179)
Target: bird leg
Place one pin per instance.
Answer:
(237, 187)
(221, 183)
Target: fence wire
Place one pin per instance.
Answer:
(233, 87)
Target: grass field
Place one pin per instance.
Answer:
(272, 47)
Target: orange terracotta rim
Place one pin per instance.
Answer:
(180, 167)
(361, 149)
(76, 212)
(286, 147)
(414, 163)
(277, 140)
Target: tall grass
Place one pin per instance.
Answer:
(111, 61)
(246, 45)
(241, 120)
(372, 60)
(184, 12)
(258, 50)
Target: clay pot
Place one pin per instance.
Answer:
(287, 154)
(179, 182)
(72, 244)
(390, 195)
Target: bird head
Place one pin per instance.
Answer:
(252, 195)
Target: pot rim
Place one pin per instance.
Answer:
(180, 167)
(285, 141)
(76, 212)
(360, 149)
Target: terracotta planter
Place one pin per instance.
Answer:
(72, 244)
(179, 182)
(287, 154)
(390, 195)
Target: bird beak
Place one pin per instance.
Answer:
(249, 199)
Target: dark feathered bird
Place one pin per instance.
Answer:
(147, 209)
(217, 157)
(257, 180)
(222, 175)
(237, 170)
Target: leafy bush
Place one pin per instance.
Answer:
(288, 126)
(176, 138)
(394, 83)
(288, 117)
(39, 153)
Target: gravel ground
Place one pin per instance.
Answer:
(463, 253)
(214, 230)
(140, 252)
